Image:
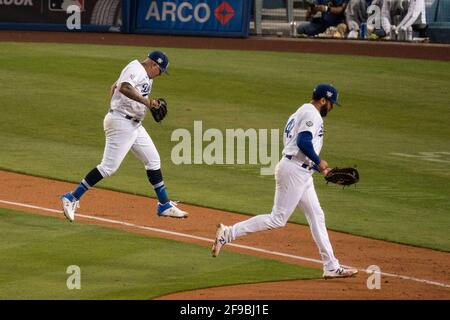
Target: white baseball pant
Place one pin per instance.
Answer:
(122, 135)
(294, 187)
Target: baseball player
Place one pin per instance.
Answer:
(401, 14)
(303, 139)
(130, 102)
(415, 17)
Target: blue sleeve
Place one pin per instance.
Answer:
(304, 142)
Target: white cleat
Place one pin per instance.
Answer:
(340, 273)
(222, 237)
(69, 207)
(170, 209)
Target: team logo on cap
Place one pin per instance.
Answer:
(329, 94)
(160, 60)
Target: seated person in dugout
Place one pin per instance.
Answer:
(332, 15)
(399, 15)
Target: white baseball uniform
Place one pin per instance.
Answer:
(408, 11)
(415, 15)
(294, 186)
(123, 124)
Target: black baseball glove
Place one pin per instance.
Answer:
(343, 176)
(161, 112)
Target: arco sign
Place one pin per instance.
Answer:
(207, 17)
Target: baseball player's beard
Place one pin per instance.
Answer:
(324, 110)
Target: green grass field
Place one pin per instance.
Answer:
(37, 250)
(54, 98)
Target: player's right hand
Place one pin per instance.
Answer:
(323, 166)
(153, 103)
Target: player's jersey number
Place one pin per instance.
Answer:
(289, 127)
(145, 89)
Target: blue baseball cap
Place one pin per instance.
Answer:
(160, 59)
(326, 91)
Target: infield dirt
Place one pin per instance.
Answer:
(293, 239)
(321, 46)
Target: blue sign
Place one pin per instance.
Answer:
(194, 17)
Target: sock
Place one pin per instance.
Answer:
(155, 178)
(88, 182)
